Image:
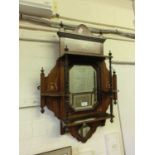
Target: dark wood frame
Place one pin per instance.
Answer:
(55, 94)
(57, 98)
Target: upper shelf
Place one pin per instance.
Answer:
(81, 36)
(81, 41)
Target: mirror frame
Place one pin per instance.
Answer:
(82, 60)
(54, 88)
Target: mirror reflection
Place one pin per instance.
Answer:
(83, 131)
(82, 87)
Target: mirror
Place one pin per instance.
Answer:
(83, 131)
(82, 87)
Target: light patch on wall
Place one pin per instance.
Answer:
(86, 152)
(55, 6)
(113, 144)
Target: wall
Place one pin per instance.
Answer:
(126, 75)
(40, 132)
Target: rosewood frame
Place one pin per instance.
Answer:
(55, 95)
(54, 91)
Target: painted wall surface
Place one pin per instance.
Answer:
(40, 132)
(126, 96)
(112, 12)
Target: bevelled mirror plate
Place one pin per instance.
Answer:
(82, 87)
(83, 131)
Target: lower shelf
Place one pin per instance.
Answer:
(88, 120)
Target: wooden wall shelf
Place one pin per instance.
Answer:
(80, 88)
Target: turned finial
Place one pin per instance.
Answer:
(66, 48)
(42, 110)
(61, 25)
(114, 72)
(42, 70)
(110, 54)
